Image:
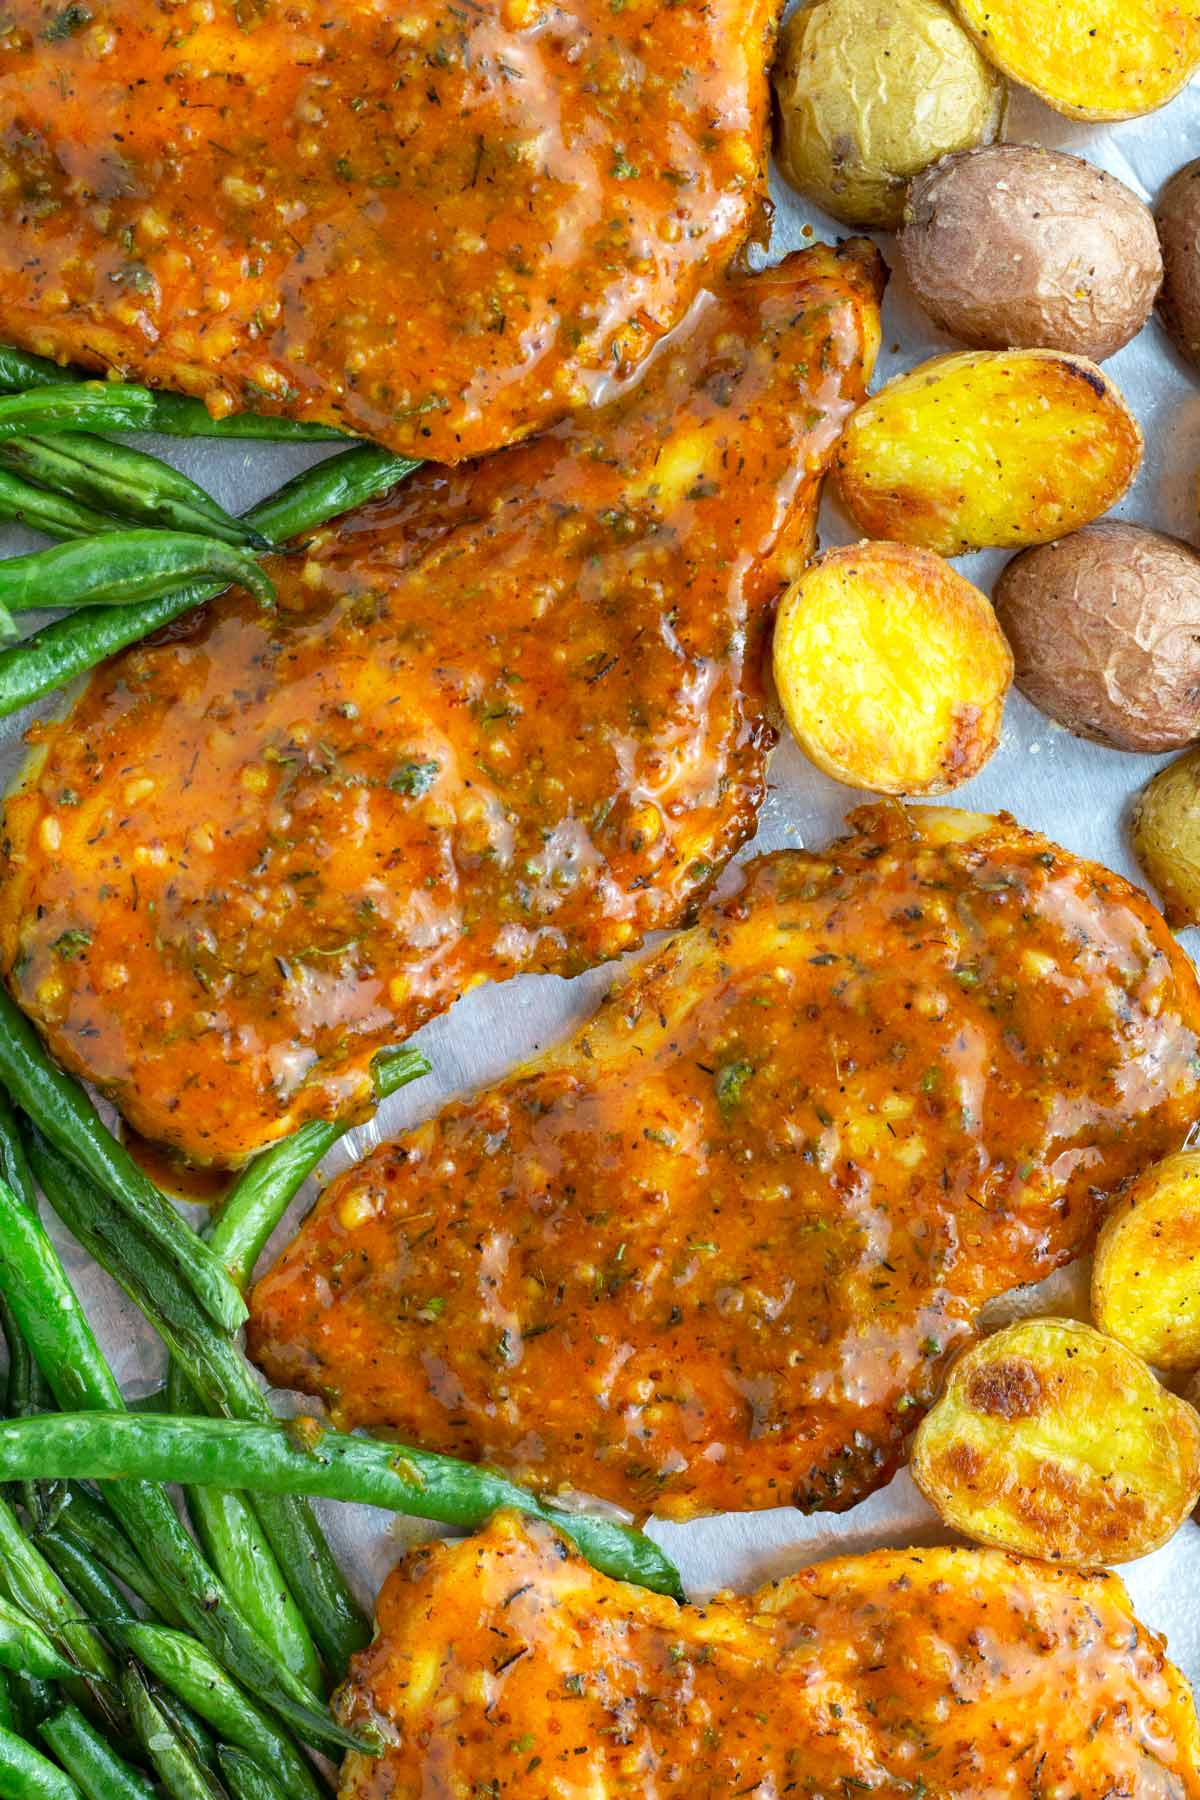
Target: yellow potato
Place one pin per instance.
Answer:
(1055, 1441)
(1093, 59)
(1165, 829)
(1146, 1277)
(891, 669)
(988, 448)
(868, 95)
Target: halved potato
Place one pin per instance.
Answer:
(891, 669)
(1146, 1276)
(1092, 59)
(1165, 829)
(988, 448)
(1055, 1441)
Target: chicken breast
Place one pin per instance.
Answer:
(505, 1666)
(512, 717)
(440, 226)
(714, 1252)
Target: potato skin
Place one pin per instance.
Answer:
(1052, 1440)
(1146, 1276)
(1105, 632)
(1177, 215)
(1010, 247)
(1165, 831)
(1091, 59)
(987, 448)
(868, 92)
(891, 669)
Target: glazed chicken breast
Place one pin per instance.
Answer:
(713, 1252)
(512, 717)
(440, 226)
(504, 1665)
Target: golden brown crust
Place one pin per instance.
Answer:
(715, 1251)
(510, 718)
(504, 1665)
(439, 226)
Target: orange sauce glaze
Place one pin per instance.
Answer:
(511, 717)
(439, 224)
(506, 1668)
(714, 1252)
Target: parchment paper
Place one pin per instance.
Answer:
(1077, 793)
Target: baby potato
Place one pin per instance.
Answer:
(870, 91)
(1146, 1276)
(1165, 830)
(1177, 216)
(891, 669)
(1105, 630)
(1054, 1441)
(987, 448)
(1091, 59)
(1011, 246)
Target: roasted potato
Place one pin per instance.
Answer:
(1165, 829)
(870, 91)
(988, 447)
(1105, 631)
(1177, 215)
(1053, 1440)
(1146, 1275)
(1010, 246)
(891, 669)
(1092, 59)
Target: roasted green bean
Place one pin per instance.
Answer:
(48, 1314)
(25, 1774)
(51, 513)
(125, 568)
(77, 406)
(174, 1762)
(266, 1187)
(247, 1779)
(125, 483)
(59, 652)
(175, 415)
(61, 1109)
(223, 1378)
(91, 1760)
(184, 1666)
(233, 1539)
(304, 1457)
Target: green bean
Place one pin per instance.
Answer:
(60, 1108)
(183, 1776)
(304, 1457)
(247, 1779)
(125, 568)
(32, 1699)
(91, 1760)
(28, 1390)
(93, 1587)
(8, 1709)
(33, 1585)
(91, 1526)
(125, 483)
(77, 406)
(24, 1645)
(59, 652)
(175, 415)
(222, 1377)
(233, 1539)
(45, 1307)
(52, 513)
(266, 1187)
(25, 1774)
(185, 1667)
